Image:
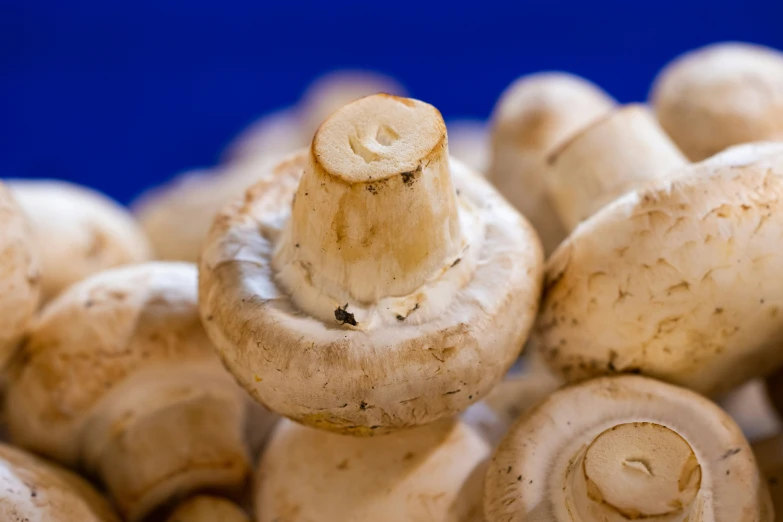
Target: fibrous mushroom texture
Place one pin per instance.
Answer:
(205, 508)
(118, 377)
(625, 448)
(532, 117)
(721, 95)
(19, 274)
(679, 279)
(33, 490)
(431, 473)
(370, 284)
(77, 231)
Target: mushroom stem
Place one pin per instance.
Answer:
(160, 436)
(635, 470)
(375, 214)
(607, 159)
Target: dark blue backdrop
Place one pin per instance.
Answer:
(121, 95)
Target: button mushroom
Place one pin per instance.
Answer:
(370, 284)
(118, 377)
(19, 275)
(33, 490)
(431, 473)
(77, 231)
(205, 508)
(678, 279)
(769, 454)
(625, 448)
(533, 115)
(721, 95)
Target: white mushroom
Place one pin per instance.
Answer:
(205, 508)
(625, 448)
(431, 473)
(78, 232)
(469, 143)
(33, 490)
(531, 118)
(397, 289)
(769, 454)
(721, 95)
(19, 275)
(680, 278)
(118, 377)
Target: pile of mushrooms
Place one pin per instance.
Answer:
(375, 331)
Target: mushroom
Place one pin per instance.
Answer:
(769, 454)
(531, 118)
(289, 129)
(432, 473)
(721, 95)
(19, 275)
(206, 508)
(78, 232)
(370, 284)
(118, 378)
(679, 278)
(33, 490)
(625, 448)
(469, 143)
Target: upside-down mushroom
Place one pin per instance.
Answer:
(78, 232)
(721, 95)
(117, 377)
(531, 118)
(20, 281)
(432, 473)
(678, 278)
(33, 490)
(207, 508)
(625, 448)
(370, 283)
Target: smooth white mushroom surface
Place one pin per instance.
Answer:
(625, 448)
(679, 279)
(20, 280)
(118, 377)
(532, 117)
(432, 473)
(721, 95)
(34, 490)
(78, 232)
(371, 283)
(205, 508)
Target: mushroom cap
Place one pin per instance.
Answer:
(680, 279)
(177, 216)
(79, 225)
(34, 490)
(205, 508)
(532, 117)
(721, 95)
(531, 472)
(19, 277)
(431, 473)
(391, 375)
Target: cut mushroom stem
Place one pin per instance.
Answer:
(625, 448)
(375, 214)
(206, 508)
(607, 159)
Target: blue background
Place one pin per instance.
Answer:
(122, 95)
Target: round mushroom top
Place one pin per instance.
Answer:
(19, 274)
(79, 225)
(721, 95)
(625, 448)
(34, 490)
(431, 473)
(91, 339)
(335, 348)
(680, 280)
(205, 508)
